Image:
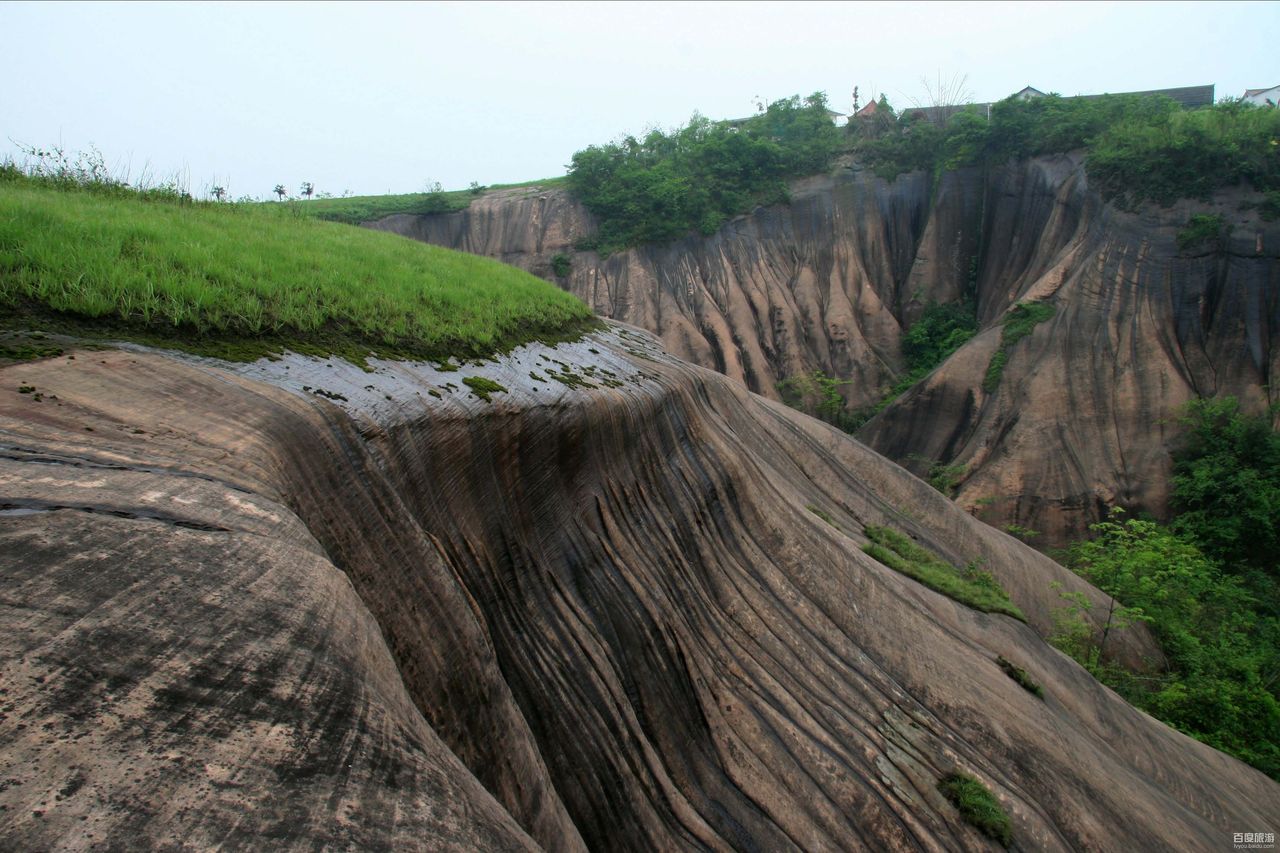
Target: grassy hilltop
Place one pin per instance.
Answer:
(240, 280)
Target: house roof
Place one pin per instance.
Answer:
(1187, 96)
(1249, 93)
(1027, 90)
(868, 110)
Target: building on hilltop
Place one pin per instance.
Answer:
(1262, 97)
(1189, 97)
(1027, 93)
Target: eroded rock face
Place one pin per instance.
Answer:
(1085, 414)
(1086, 410)
(238, 612)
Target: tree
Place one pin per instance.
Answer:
(944, 98)
(1223, 651)
(1226, 486)
(308, 189)
(219, 193)
(280, 191)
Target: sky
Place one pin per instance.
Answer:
(371, 98)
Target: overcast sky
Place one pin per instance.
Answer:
(374, 97)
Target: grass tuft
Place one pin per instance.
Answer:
(969, 586)
(1018, 674)
(978, 806)
(822, 514)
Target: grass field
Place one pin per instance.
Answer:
(366, 208)
(259, 276)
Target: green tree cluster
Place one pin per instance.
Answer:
(1206, 585)
(665, 185)
(1141, 148)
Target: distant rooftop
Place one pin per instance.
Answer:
(1188, 96)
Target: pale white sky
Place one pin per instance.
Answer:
(375, 97)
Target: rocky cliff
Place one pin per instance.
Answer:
(619, 605)
(1083, 416)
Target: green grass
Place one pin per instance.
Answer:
(822, 514)
(366, 208)
(1020, 322)
(1018, 674)
(969, 586)
(978, 806)
(242, 280)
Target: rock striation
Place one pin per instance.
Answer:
(1083, 417)
(297, 604)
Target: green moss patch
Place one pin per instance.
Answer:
(482, 387)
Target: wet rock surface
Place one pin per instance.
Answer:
(580, 614)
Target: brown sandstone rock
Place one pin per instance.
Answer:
(236, 613)
(1086, 413)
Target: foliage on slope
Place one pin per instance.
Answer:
(1208, 586)
(1140, 148)
(699, 175)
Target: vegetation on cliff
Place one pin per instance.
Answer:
(85, 251)
(970, 586)
(697, 176)
(1208, 586)
(1140, 148)
(940, 331)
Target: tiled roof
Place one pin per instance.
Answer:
(1188, 96)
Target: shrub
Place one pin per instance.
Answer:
(822, 514)
(561, 264)
(1221, 639)
(978, 806)
(1140, 148)
(1226, 487)
(1200, 229)
(695, 177)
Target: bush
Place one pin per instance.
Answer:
(1202, 228)
(561, 264)
(1184, 154)
(940, 331)
(1140, 148)
(1226, 487)
(694, 178)
(978, 806)
(1222, 646)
